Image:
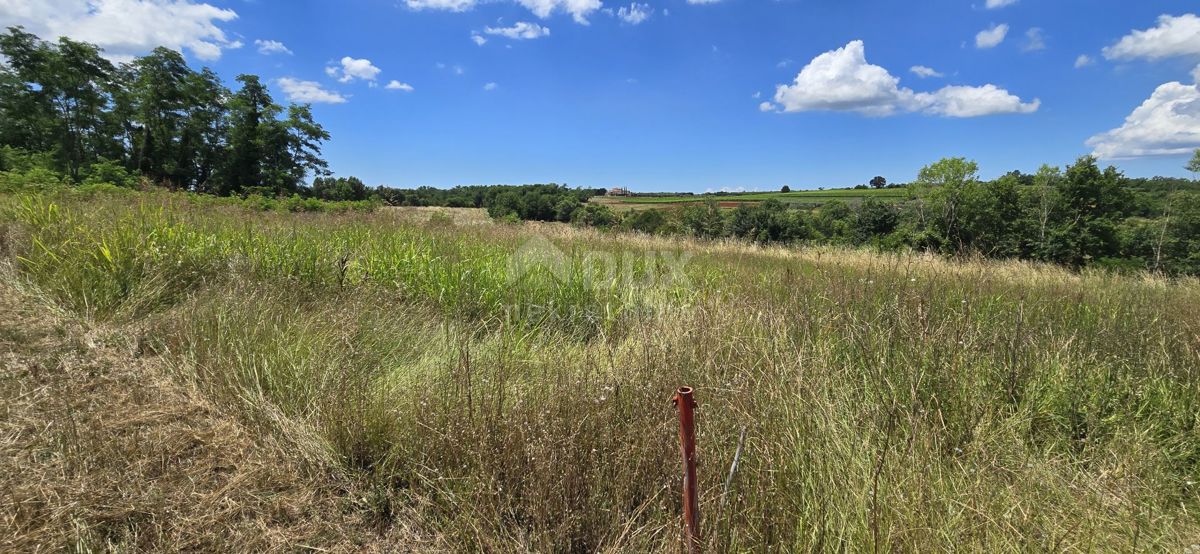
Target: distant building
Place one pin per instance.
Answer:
(619, 191)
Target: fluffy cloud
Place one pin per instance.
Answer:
(1168, 123)
(126, 28)
(268, 47)
(842, 80)
(397, 85)
(635, 13)
(1083, 60)
(961, 101)
(992, 36)
(308, 92)
(1034, 40)
(478, 39)
(520, 30)
(1174, 36)
(994, 4)
(924, 72)
(351, 69)
(490, 86)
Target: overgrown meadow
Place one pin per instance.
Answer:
(508, 385)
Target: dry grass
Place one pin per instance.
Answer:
(891, 402)
(101, 451)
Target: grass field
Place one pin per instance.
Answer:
(803, 197)
(426, 380)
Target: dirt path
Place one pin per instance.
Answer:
(101, 450)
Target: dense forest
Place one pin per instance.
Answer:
(68, 115)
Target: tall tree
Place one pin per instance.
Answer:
(249, 108)
(1194, 164)
(160, 95)
(205, 127)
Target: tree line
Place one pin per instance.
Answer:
(1079, 216)
(65, 108)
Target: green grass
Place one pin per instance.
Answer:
(891, 402)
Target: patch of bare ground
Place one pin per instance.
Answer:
(100, 450)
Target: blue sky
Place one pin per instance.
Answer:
(676, 95)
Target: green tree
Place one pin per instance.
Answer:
(249, 108)
(878, 182)
(874, 219)
(942, 184)
(1194, 164)
(66, 88)
(1093, 201)
(160, 97)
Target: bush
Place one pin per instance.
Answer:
(33, 180)
(110, 172)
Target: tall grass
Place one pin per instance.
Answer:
(889, 402)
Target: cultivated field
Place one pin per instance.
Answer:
(185, 375)
(801, 197)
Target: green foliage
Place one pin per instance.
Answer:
(341, 188)
(109, 172)
(155, 117)
(593, 215)
(35, 179)
(1193, 165)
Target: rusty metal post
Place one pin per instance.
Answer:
(685, 404)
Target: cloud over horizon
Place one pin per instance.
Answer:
(843, 80)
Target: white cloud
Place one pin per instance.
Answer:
(1174, 36)
(352, 69)
(478, 39)
(994, 4)
(521, 30)
(635, 13)
(1034, 40)
(397, 85)
(842, 80)
(992, 36)
(962, 101)
(1167, 123)
(1083, 60)
(126, 28)
(766, 107)
(450, 5)
(1196, 75)
(491, 86)
(308, 92)
(268, 47)
(579, 9)
(702, 1)
(924, 72)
